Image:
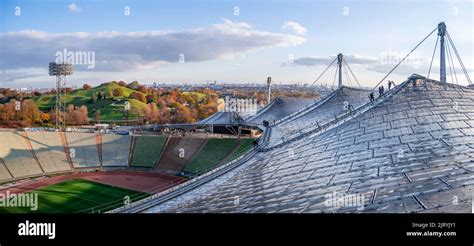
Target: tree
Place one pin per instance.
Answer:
(151, 113)
(142, 98)
(122, 83)
(165, 116)
(30, 112)
(183, 115)
(138, 96)
(7, 112)
(76, 115)
(142, 89)
(118, 92)
(45, 117)
(149, 98)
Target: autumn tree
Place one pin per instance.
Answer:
(118, 92)
(165, 114)
(138, 96)
(76, 115)
(8, 112)
(45, 117)
(151, 113)
(30, 112)
(142, 89)
(183, 115)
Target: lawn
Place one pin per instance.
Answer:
(78, 196)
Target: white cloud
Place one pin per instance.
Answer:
(315, 61)
(119, 51)
(382, 64)
(74, 8)
(294, 27)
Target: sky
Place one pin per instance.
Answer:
(177, 41)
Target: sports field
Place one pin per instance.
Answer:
(78, 196)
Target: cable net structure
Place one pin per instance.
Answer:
(342, 70)
(446, 48)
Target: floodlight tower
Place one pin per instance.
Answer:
(60, 70)
(442, 62)
(339, 63)
(269, 83)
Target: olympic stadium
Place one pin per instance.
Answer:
(406, 149)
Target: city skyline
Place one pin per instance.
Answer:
(232, 42)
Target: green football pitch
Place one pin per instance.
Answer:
(77, 196)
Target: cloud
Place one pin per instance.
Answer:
(383, 64)
(10, 76)
(119, 51)
(294, 27)
(73, 8)
(316, 61)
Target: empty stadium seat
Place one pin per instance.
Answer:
(84, 149)
(17, 155)
(178, 152)
(147, 150)
(115, 150)
(49, 150)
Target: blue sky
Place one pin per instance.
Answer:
(292, 41)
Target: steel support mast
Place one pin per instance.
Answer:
(442, 58)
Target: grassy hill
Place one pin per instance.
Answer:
(111, 109)
(200, 95)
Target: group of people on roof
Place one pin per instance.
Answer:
(381, 90)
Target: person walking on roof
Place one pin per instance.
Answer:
(371, 97)
(381, 90)
(390, 84)
(350, 107)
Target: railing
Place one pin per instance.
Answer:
(184, 187)
(310, 107)
(341, 119)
